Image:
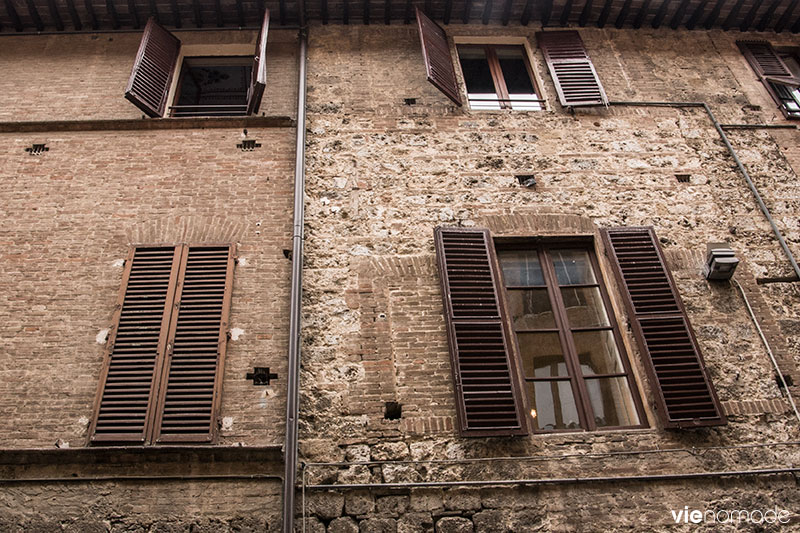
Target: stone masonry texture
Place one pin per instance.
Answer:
(388, 159)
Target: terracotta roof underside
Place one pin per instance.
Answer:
(31, 16)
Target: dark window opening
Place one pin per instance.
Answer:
(213, 86)
(498, 77)
(573, 362)
(393, 411)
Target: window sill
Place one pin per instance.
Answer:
(148, 124)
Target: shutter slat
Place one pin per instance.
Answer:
(438, 61)
(685, 395)
(488, 395)
(130, 377)
(194, 368)
(153, 69)
(571, 68)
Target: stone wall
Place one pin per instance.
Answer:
(383, 172)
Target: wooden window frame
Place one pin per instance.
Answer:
(501, 90)
(154, 412)
(576, 379)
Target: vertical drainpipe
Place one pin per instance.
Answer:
(293, 379)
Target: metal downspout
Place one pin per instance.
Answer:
(293, 374)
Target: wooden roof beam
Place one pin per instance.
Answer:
(73, 14)
(448, 11)
(325, 12)
(585, 12)
(55, 15)
(487, 11)
(679, 14)
(198, 13)
(34, 13)
(387, 12)
(604, 14)
(623, 14)
(14, 16)
(642, 14)
(750, 17)
(762, 24)
(784, 20)
(282, 12)
(366, 12)
(92, 14)
(564, 19)
(731, 18)
(714, 15)
(527, 12)
(220, 17)
(239, 14)
(506, 12)
(467, 9)
(698, 13)
(176, 14)
(133, 14)
(345, 12)
(547, 12)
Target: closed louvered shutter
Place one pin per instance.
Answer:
(196, 349)
(685, 396)
(766, 62)
(136, 346)
(488, 397)
(258, 77)
(152, 71)
(436, 54)
(572, 71)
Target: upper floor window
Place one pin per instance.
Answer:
(498, 77)
(573, 364)
(206, 86)
(779, 71)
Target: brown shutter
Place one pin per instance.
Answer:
(129, 380)
(436, 54)
(258, 77)
(685, 396)
(152, 72)
(196, 351)
(488, 394)
(766, 62)
(572, 71)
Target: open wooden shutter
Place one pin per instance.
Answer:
(685, 396)
(258, 77)
(192, 379)
(152, 72)
(766, 62)
(488, 395)
(572, 71)
(436, 54)
(130, 377)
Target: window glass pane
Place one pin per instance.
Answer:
(553, 405)
(521, 268)
(518, 80)
(530, 309)
(584, 307)
(597, 352)
(480, 85)
(612, 402)
(573, 267)
(541, 355)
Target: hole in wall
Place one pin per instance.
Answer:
(526, 180)
(683, 178)
(392, 411)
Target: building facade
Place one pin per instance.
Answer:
(506, 324)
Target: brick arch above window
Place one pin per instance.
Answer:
(198, 229)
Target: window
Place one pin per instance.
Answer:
(544, 351)
(498, 77)
(212, 86)
(789, 95)
(575, 370)
(778, 71)
(206, 86)
(162, 373)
